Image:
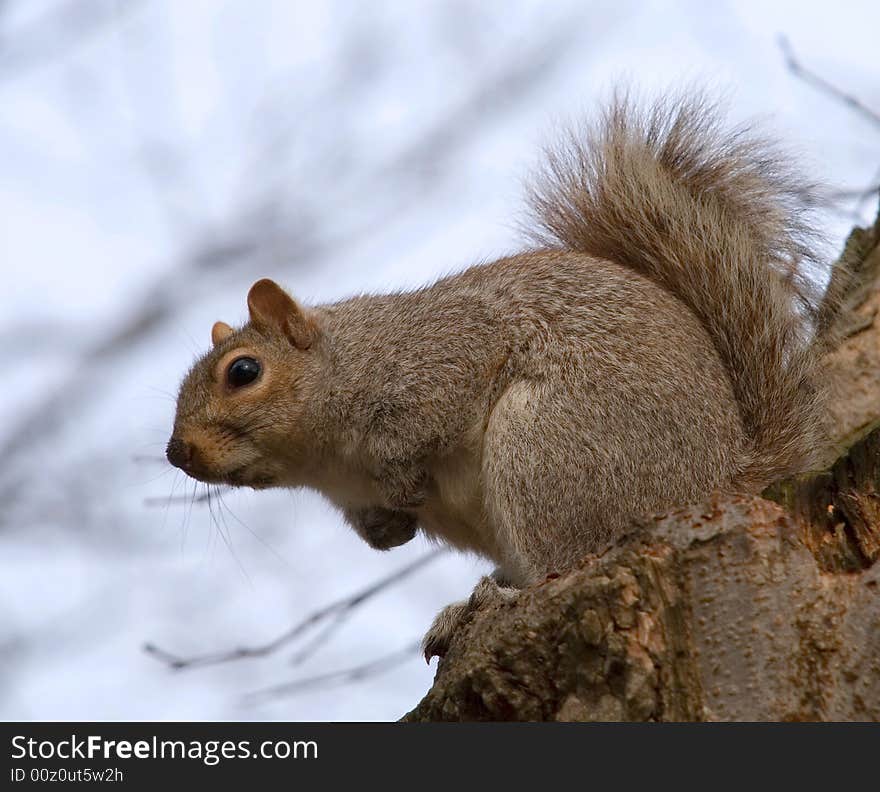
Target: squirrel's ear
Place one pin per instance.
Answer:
(273, 308)
(220, 332)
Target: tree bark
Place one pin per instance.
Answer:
(740, 608)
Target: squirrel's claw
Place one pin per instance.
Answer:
(433, 649)
(447, 623)
(453, 617)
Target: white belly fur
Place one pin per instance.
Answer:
(455, 510)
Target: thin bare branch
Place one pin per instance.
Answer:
(860, 193)
(149, 459)
(186, 500)
(345, 676)
(337, 612)
(821, 84)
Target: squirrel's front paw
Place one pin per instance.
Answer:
(381, 528)
(453, 617)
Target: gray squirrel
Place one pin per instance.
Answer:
(658, 341)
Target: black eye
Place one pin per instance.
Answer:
(242, 371)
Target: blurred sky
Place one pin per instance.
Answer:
(157, 158)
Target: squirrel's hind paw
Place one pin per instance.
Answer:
(453, 617)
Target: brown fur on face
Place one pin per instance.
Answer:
(249, 435)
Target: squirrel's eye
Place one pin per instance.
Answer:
(242, 371)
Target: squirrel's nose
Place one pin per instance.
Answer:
(179, 453)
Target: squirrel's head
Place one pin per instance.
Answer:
(240, 408)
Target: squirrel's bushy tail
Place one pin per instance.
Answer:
(714, 217)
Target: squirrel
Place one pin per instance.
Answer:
(657, 341)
